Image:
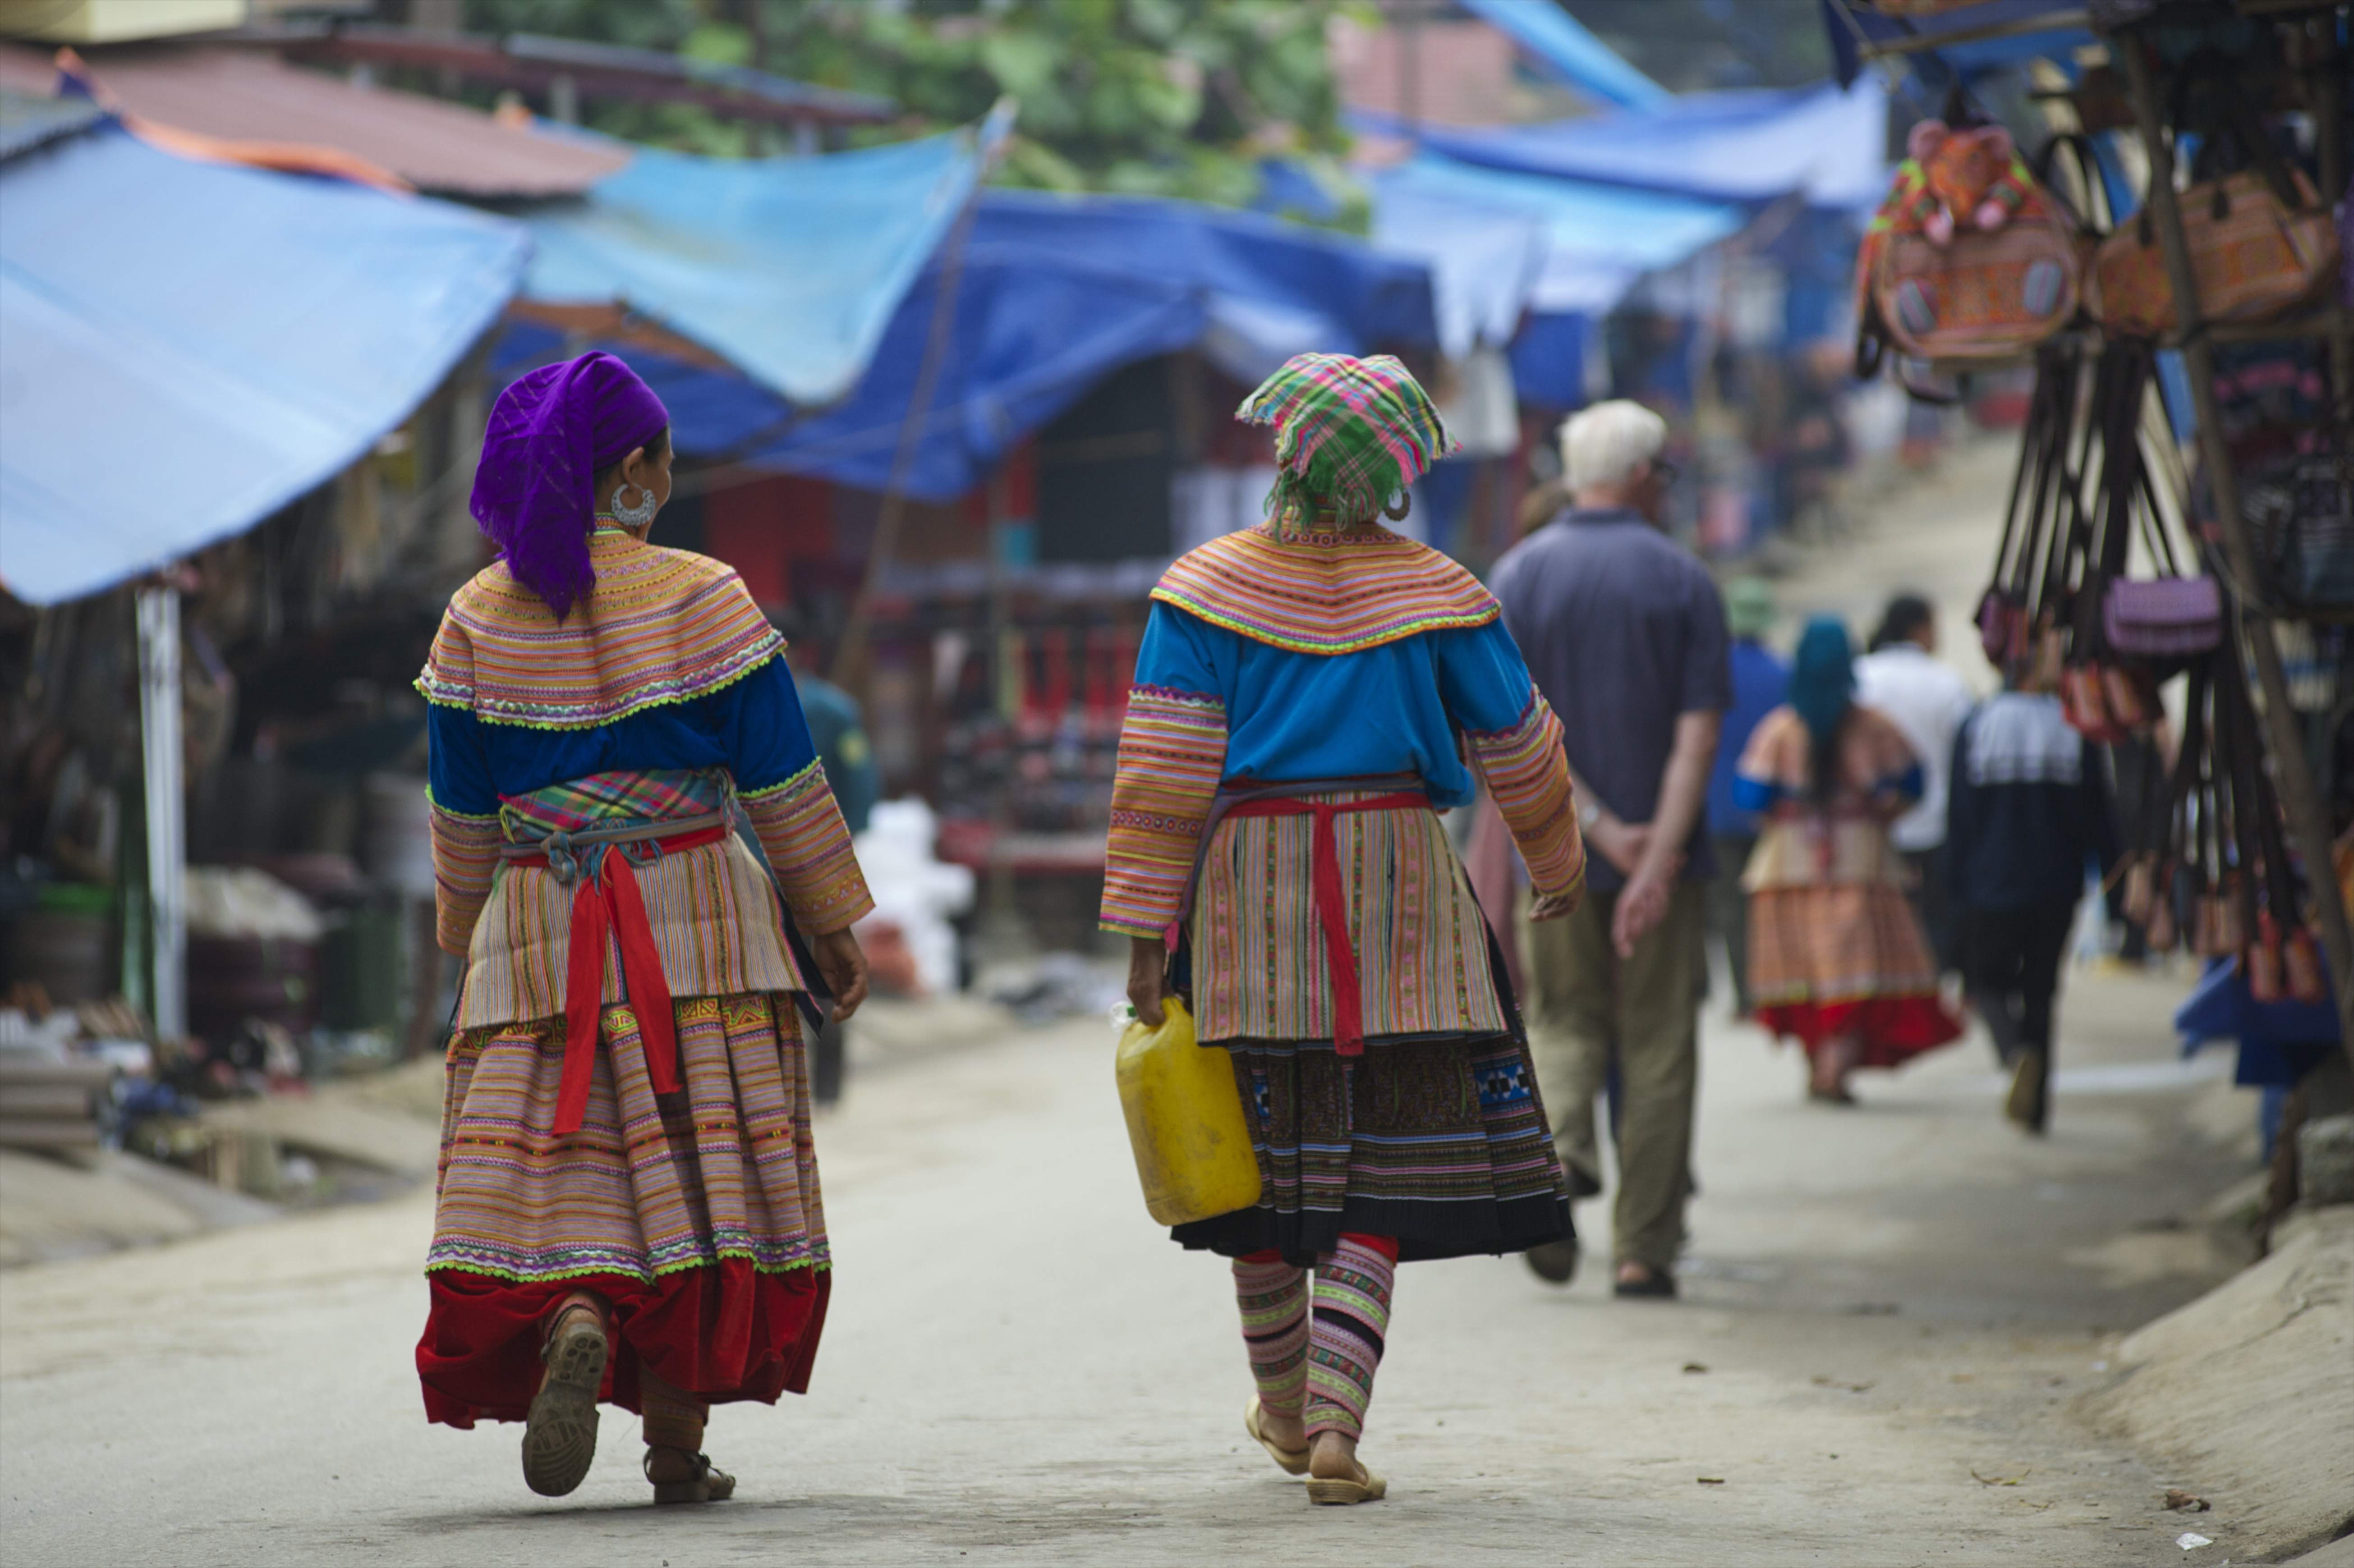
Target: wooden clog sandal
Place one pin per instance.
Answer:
(705, 1484)
(560, 1434)
(1293, 1460)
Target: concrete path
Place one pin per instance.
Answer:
(1887, 1313)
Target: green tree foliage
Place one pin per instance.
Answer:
(1148, 97)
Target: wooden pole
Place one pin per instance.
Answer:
(2309, 821)
(849, 663)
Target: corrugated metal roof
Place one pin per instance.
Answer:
(236, 97)
(27, 122)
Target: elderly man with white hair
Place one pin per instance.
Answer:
(1625, 635)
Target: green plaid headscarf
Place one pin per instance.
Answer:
(1350, 436)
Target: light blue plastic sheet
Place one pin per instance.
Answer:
(186, 347)
(1752, 146)
(1563, 46)
(1596, 239)
(790, 269)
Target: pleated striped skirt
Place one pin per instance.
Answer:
(697, 1214)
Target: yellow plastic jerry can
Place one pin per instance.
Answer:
(1185, 1119)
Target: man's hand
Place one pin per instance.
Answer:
(1623, 844)
(1148, 970)
(843, 964)
(1642, 905)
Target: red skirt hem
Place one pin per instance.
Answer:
(719, 1333)
(1892, 1029)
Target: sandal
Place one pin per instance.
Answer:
(706, 1485)
(1367, 1488)
(1293, 1460)
(560, 1434)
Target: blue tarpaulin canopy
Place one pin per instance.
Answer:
(789, 268)
(1563, 46)
(1751, 145)
(1054, 294)
(1596, 239)
(1958, 40)
(186, 347)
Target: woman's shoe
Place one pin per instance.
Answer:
(560, 1434)
(1659, 1285)
(703, 1484)
(1367, 1488)
(1293, 1460)
(2028, 1102)
(1554, 1262)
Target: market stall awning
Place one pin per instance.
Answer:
(1053, 295)
(1752, 146)
(234, 96)
(1561, 45)
(787, 268)
(1593, 239)
(186, 347)
(1963, 38)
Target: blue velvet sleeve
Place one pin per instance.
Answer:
(1179, 652)
(760, 727)
(1754, 795)
(1481, 678)
(457, 763)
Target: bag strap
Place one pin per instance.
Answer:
(2237, 122)
(2088, 173)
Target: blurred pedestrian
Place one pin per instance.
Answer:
(1625, 635)
(1300, 695)
(1761, 680)
(839, 730)
(1835, 956)
(1902, 678)
(2031, 815)
(627, 1205)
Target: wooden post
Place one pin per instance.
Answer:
(167, 869)
(2309, 821)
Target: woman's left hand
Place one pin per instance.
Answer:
(843, 964)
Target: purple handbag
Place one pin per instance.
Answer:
(2164, 619)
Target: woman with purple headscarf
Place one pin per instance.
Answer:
(628, 1201)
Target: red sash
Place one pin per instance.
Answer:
(1331, 914)
(609, 901)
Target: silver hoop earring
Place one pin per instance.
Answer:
(638, 516)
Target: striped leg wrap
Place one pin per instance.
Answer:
(1352, 1319)
(1274, 1300)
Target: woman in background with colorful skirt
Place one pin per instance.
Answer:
(1309, 694)
(1836, 958)
(628, 1205)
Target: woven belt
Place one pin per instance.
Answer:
(1332, 912)
(607, 900)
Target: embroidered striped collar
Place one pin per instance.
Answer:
(662, 626)
(1325, 593)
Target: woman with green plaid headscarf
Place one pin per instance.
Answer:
(1277, 861)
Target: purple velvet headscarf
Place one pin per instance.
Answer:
(549, 433)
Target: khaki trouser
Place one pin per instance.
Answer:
(1582, 999)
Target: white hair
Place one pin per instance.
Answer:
(1606, 443)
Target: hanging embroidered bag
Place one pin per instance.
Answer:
(2262, 240)
(1970, 258)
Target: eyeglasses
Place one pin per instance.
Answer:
(1666, 472)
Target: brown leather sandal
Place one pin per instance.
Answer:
(560, 1434)
(706, 1484)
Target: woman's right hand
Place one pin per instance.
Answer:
(1148, 971)
(843, 964)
